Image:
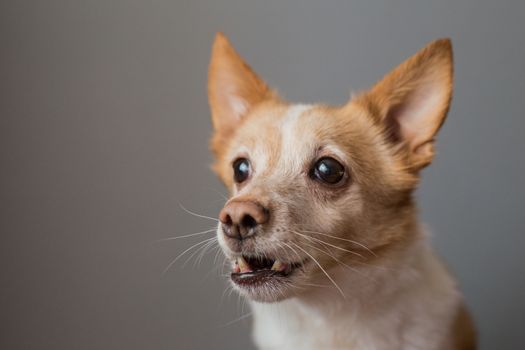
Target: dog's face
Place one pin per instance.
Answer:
(313, 186)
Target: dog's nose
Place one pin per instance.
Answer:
(240, 218)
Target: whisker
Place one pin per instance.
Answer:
(218, 192)
(184, 252)
(216, 255)
(343, 239)
(197, 215)
(221, 301)
(317, 285)
(300, 258)
(186, 236)
(216, 267)
(354, 261)
(200, 249)
(343, 264)
(376, 267)
(231, 292)
(293, 250)
(331, 245)
(322, 269)
(204, 251)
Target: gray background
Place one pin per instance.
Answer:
(104, 126)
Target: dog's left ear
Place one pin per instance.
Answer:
(412, 101)
(233, 87)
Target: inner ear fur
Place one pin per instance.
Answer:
(411, 102)
(233, 87)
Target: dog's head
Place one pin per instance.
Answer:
(316, 186)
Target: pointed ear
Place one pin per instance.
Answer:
(233, 87)
(412, 101)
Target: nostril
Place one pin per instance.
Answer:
(227, 220)
(248, 221)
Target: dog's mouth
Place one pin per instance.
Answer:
(256, 272)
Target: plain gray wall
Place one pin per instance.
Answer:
(104, 129)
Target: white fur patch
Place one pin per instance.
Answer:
(395, 320)
(291, 153)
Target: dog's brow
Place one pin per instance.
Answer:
(288, 134)
(336, 151)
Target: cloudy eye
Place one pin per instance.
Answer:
(328, 170)
(241, 170)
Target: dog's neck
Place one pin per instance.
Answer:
(380, 303)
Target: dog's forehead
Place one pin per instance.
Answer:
(283, 138)
(294, 146)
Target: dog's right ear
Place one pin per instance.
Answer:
(233, 87)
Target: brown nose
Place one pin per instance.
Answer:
(240, 218)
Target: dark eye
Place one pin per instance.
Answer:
(241, 170)
(328, 170)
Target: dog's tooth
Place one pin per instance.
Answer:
(279, 266)
(276, 265)
(243, 265)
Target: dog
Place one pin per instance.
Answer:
(321, 228)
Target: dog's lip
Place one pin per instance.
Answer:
(252, 272)
(257, 278)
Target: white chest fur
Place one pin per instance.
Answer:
(409, 303)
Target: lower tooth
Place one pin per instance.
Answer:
(277, 266)
(243, 265)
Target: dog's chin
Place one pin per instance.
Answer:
(266, 280)
(269, 293)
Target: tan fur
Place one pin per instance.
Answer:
(230, 76)
(385, 136)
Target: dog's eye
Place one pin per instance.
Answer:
(328, 170)
(241, 170)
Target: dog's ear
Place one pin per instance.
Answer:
(412, 101)
(233, 87)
